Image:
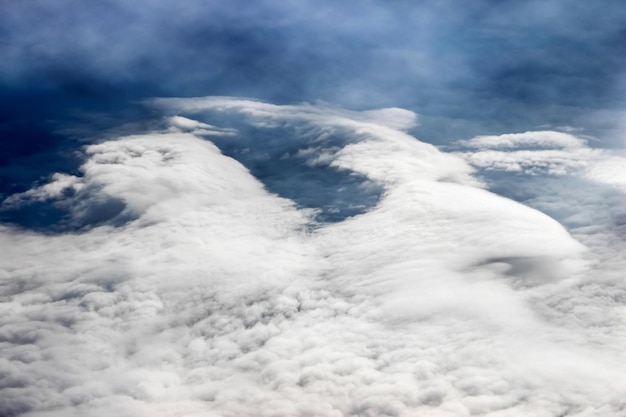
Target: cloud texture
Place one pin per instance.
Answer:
(176, 284)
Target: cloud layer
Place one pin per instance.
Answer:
(185, 288)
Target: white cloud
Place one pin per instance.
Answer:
(183, 124)
(544, 152)
(215, 297)
(610, 170)
(538, 139)
(584, 189)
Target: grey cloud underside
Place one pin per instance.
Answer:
(215, 297)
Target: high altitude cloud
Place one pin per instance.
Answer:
(203, 294)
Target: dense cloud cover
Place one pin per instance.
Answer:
(174, 283)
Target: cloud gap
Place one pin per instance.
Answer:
(295, 162)
(67, 211)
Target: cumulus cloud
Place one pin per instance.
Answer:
(205, 294)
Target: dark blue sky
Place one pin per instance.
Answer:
(71, 68)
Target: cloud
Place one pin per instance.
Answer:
(536, 140)
(610, 170)
(205, 294)
(583, 189)
(546, 153)
(557, 173)
(541, 152)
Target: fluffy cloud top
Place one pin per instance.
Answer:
(202, 294)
